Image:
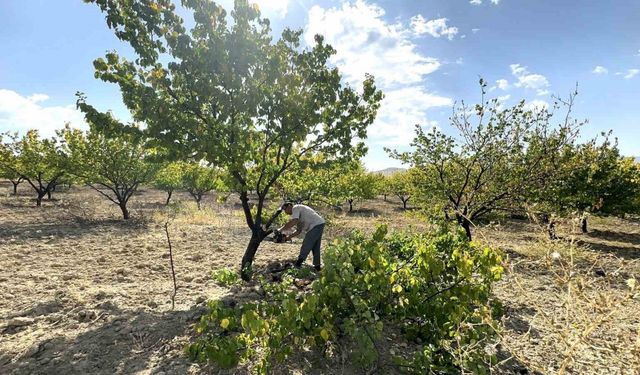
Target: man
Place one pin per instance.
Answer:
(305, 219)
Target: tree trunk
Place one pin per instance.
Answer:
(168, 197)
(385, 197)
(404, 203)
(466, 224)
(584, 224)
(39, 199)
(551, 230)
(125, 211)
(249, 255)
(49, 194)
(15, 187)
(198, 202)
(545, 218)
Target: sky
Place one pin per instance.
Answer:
(425, 55)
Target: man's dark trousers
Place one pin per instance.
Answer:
(311, 242)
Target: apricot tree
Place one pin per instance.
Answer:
(226, 92)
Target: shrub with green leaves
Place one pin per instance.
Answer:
(433, 287)
(225, 277)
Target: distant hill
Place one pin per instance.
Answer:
(390, 171)
(638, 159)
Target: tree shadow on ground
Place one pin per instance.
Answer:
(625, 252)
(508, 364)
(608, 235)
(24, 202)
(399, 208)
(363, 212)
(42, 308)
(129, 341)
(517, 318)
(72, 228)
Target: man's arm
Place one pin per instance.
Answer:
(290, 224)
(297, 232)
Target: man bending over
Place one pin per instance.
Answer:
(306, 220)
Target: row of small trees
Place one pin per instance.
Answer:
(335, 184)
(113, 164)
(515, 166)
(516, 160)
(512, 161)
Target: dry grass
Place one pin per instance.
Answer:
(568, 308)
(93, 292)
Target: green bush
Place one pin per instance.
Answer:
(433, 287)
(225, 277)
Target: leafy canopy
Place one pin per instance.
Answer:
(39, 161)
(169, 177)
(592, 177)
(327, 182)
(227, 93)
(497, 156)
(9, 157)
(401, 184)
(200, 179)
(113, 165)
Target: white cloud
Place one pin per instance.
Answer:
(502, 100)
(366, 43)
(20, 113)
(528, 80)
(436, 27)
(400, 111)
(600, 70)
(536, 105)
(475, 31)
(268, 8)
(35, 98)
(271, 7)
(502, 84)
(631, 73)
(479, 2)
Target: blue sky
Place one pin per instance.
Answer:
(424, 54)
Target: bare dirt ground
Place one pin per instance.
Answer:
(83, 292)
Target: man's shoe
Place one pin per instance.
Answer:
(297, 264)
(317, 268)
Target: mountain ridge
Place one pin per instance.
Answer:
(389, 171)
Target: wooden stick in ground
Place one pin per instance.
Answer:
(173, 272)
